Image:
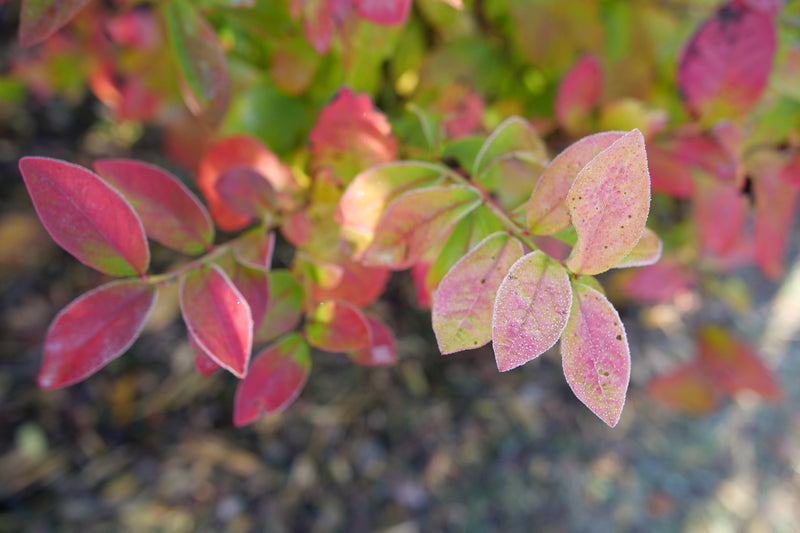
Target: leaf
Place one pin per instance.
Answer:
(464, 302)
(254, 249)
(350, 136)
(276, 377)
(385, 12)
(658, 282)
(578, 94)
(247, 192)
(284, 307)
(513, 137)
(646, 252)
(381, 350)
(608, 203)
(669, 175)
(218, 317)
(253, 284)
(358, 284)
(595, 354)
(530, 310)
(201, 61)
(725, 66)
(93, 330)
(203, 363)
(336, 326)
(547, 209)
(415, 221)
(169, 212)
(733, 366)
(39, 19)
(719, 211)
(84, 215)
(232, 152)
(685, 389)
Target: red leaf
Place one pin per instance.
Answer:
(170, 213)
(93, 330)
(137, 29)
(218, 317)
(725, 66)
(733, 366)
(685, 389)
(719, 211)
(39, 19)
(668, 174)
(359, 284)
(386, 12)
(350, 136)
(337, 327)
(254, 286)
(381, 350)
(578, 94)
(86, 216)
(704, 152)
(203, 363)
(320, 19)
(241, 150)
(275, 379)
(247, 192)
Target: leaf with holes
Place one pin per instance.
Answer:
(93, 330)
(170, 213)
(530, 310)
(595, 354)
(578, 94)
(464, 302)
(218, 317)
(275, 378)
(87, 217)
(381, 350)
(609, 203)
(415, 221)
(646, 252)
(547, 208)
(336, 326)
(39, 19)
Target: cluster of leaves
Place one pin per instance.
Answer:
(503, 243)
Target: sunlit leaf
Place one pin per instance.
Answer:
(578, 94)
(170, 213)
(684, 389)
(336, 326)
(415, 221)
(218, 317)
(514, 137)
(87, 217)
(646, 252)
(725, 67)
(464, 302)
(358, 284)
(246, 191)
(547, 209)
(275, 378)
(93, 330)
(530, 310)
(284, 308)
(381, 350)
(39, 19)
(609, 203)
(595, 354)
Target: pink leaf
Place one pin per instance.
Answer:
(725, 67)
(381, 350)
(771, 7)
(247, 192)
(39, 19)
(86, 216)
(386, 12)
(254, 286)
(218, 317)
(658, 282)
(595, 354)
(350, 136)
(170, 213)
(530, 311)
(578, 94)
(203, 363)
(255, 249)
(337, 327)
(608, 203)
(415, 221)
(668, 174)
(275, 379)
(547, 209)
(464, 302)
(93, 330)
(719, 210)
(284, 307)
(646, 252)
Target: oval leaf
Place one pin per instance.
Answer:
(336, 326)
(247, 191)
(39, 19)
(385, 12)
(284, 307)
(381, 350)
(547, 209)
(608, 203)
(170, 213)
(218, 317)
(254, 250)
(93, 330)
(415, 221)
(530, 311)
(646, 252)
(87, 217)
(595, 354)
(513, 137)
(464, 303)
(275, 379)
(578, 94)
